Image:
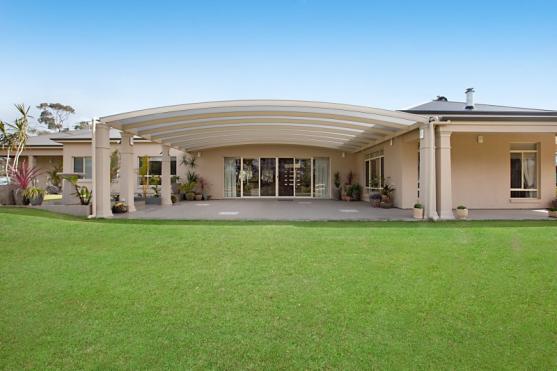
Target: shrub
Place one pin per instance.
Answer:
(461, 207)
(418, 206)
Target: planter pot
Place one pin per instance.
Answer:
(153, 201)
(552, 214)
(198, 197)
(19, 198)
(336, 194)
(119, 208)
(7, 195)
(190, 196)
(418, 213)
(206, 196)
(386, 204)
(346, 198)
(36, 201)
(461, 213)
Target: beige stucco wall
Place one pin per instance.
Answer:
(401, 167)
(211, 162)
(78, 149)
(481, 172)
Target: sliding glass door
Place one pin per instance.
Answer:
(276, 177)
(268, 177)
(286, 177)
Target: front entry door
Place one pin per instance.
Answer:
(286, 177)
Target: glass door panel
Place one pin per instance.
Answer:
(321, 177)
(303, 177)
(286, 177)
(268, 177)
(250, 177)
(232, 177)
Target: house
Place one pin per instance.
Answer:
(442, 153)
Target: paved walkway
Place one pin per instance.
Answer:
(299, 209)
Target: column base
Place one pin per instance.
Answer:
(446, 215)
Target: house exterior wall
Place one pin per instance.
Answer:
(401, 168)
(481, 172)
(79, 149)
(211, 162)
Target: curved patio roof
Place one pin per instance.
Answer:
(199, 126)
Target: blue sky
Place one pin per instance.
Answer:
(105, 57)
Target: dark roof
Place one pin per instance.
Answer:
(42, 140)
(440, 107)
(82, 134)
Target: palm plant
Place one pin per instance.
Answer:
(82, 192)
(14, 136)
(54, 175)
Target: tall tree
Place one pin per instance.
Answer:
(54, 115)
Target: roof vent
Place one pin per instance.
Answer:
(441, 98)
(469, 98)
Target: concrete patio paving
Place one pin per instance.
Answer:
(300, 209)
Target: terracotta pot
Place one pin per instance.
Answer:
(418, 213)
(462, 213)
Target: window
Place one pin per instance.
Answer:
(374, 170)
(524, 170)
(83, 166)
(155, 166)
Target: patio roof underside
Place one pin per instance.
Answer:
(200, 126)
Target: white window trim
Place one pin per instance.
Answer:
(367, 163)
(83, 173)
(537, 189)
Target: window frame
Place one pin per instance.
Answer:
(379, 157)
(535, 190)
(83, 173)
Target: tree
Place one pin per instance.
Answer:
(82, 125)
(13, 137)
(114, 165)
(54, 115)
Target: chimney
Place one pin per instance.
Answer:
(469, 98)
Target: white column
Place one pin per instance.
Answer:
(102, 206)
(127, 171)
(444, 184)
(427, 171)
(166, 188)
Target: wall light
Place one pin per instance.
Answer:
(198, 154)
(391, 142)
(480, 139)
(343, 154)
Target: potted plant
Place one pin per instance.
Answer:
(119, 207)
(82, 192)
(418, 211)
(387, 195)
(55, 179)
(336, 188)
(23, 177)
(552, 212)
(188, 190)
(156, 198)
(356, 192)
(34, 195)
(346, 193)
(375, 199)
(461, 212)
(203, 187)
(143, 173)
(173, 198)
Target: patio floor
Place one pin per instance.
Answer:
(300, 209)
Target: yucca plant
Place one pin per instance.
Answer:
(23, 176)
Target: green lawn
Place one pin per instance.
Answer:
(228, 295)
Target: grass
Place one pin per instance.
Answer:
(257, 295)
